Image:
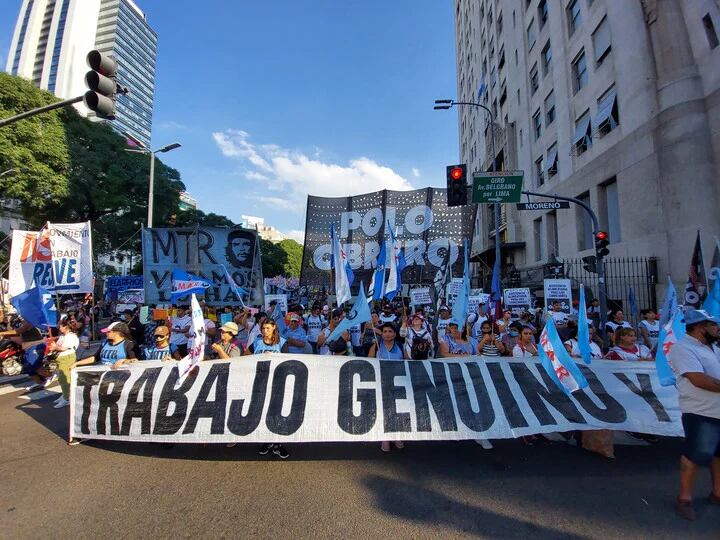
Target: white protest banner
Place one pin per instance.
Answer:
(30, 262)
(474, 300)
(452, 290)
(293, 398)
(558, 290)
(517, 300)
(420, 296)
(196, 344)
(281, 299)
(71, 246)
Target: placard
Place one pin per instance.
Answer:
(517, 300)
(281, 299)
(558, 290)
(420, 296)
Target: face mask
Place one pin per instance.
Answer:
(122, 317)
(513, 333)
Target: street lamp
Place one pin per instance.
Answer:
(444, 104)
(142, 149)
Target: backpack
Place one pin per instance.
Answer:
(420, 349)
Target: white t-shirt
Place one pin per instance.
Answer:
(611, 326)
(559, 317)
(440, 327)
(595, 350)
(354, 332)
(688, 355)
(178, 323)
(653, 331)
(388, 318)
(519, 352)
(314, 326)
(475, 330)
(70, 342)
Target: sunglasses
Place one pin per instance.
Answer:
(159, 336)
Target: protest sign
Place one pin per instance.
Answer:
(116, 284)
(420, 296)
(475, 300)
(57, 259)
(292, 398)
(558, 290)
(281, 299)
(226, 318)
(160, 314)
(452, 289)
(430, 232)
(131, 296)
(144, 315)
(517, 300)
(205, 252)
(196, 344)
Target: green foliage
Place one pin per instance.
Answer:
(281, 259)
(36, 148)
(186, 218)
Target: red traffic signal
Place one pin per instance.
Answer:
(601, 243)
(602, 235)
(456, 173)
(456, 185)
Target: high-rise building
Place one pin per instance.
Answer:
(616, 103)
(52, 39)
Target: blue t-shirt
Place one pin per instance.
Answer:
(299, 334)
(260, 346)
(109, 354)
(158, 353)
(393, 354)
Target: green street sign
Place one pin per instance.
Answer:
(497, 187)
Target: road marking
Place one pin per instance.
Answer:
(17, 387)
(13, 378)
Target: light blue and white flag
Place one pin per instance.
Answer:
(184, 284)
(632, 303)
(343, 273)
(460, 307)
(557, 362)
(712, 302)
(377, 283)
(670, 303)
(237, 290)
(359, 314)
(279, 317)
(583, 336)
(396, 264)
(673, 330)
(36, 306)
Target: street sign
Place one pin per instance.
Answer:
(551, 205)
(497, 187)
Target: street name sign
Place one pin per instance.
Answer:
(497, 187)
(549, 205)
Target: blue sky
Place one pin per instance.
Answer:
(276, 99)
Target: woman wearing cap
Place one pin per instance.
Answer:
(416, 329)
(388, 347)
(270, 340)
(65, 346)
(295, 335)
(117, 351)
(227, 349)
(626, 347)
(453, 343)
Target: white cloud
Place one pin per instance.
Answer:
(298, 236)
(173, 125)
(297, 175)
(415, 172)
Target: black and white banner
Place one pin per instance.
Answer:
(295, 398)
(431, 233)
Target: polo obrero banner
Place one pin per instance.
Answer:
(288, 398)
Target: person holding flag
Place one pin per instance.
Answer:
(343, 273)
(179, 330)
(377, 283)
(695, 360)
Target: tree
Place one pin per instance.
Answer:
(192, 216)
(294, 252)
(35, 149)
(281, 259)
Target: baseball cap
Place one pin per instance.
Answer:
(444, 308)
(295, 317)
(117, 327)
(230, 327)
(337, 312)
(162, 331)
(693, 316)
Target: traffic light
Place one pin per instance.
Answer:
(102, 86)
(457, 185)
(590, 264)
(601, 244)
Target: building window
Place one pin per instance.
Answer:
(534, 80)
(583, 134)
(531, 34)
(537, 124)
(501, 62)
(551, 164)
(552, 233)
(550, 108)
(494, 108)
(503, 94)
(516, 57)
(539, 240)
(601, 41)
(574, 16)
(607, 117)
(580, 73)
(539, 171)
(585, 226)
(546, 56)
(518, 96)
(710, 31)
(499, 23)
(542, 13)
(610, 203)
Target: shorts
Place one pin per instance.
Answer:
(702, 438)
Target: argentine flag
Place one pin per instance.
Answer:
(396, 264)
(184, 284)
(343, 273)
(377, 284)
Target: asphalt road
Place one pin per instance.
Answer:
(428, 490)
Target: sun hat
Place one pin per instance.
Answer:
(230, 327)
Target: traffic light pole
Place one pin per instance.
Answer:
(39, 110)
(602, 285)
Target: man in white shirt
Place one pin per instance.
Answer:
(695, 360)
(560, 318)
(180, 326)
(476, 322)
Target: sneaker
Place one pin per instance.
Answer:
(280, 451)
(58, 400)
(385, 446)
(49, 381)
(487, 445)
(34, 388)
(713, 499)
(685, 510)
(230, 444)
(74, 442)
(399, 445)
(265, 449)
(62, 402)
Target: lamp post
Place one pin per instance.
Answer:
(444, 104)
(142, 149)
